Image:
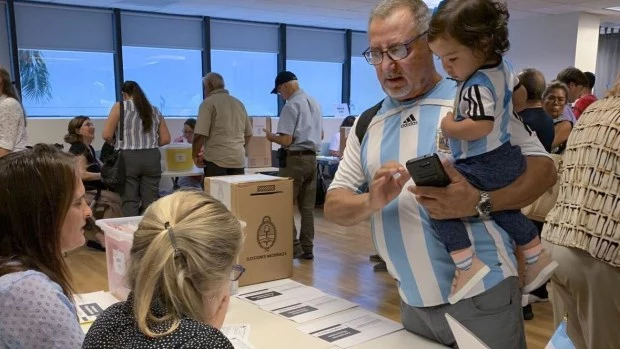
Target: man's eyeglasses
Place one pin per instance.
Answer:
(237, 271)
(396, 52)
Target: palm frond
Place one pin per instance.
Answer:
(34, 76)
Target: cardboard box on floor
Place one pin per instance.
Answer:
(259, 148)
(265, 203)
(344, 134)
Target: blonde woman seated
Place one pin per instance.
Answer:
(182, 263)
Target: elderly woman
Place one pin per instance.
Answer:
(555, 98)
(182, 263)
(582, 229)
(42, 215)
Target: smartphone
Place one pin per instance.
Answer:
(427, 171)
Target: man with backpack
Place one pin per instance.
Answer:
(404, 126)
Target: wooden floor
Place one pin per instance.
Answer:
(340, 268)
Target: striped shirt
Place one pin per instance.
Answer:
(402, 231)
(134, 136)
(486, 95)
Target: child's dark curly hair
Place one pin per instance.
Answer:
(479, 24)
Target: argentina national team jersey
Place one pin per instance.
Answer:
(402, 231)
(486, 95)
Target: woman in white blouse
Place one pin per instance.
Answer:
(12, 117)
(42, 215)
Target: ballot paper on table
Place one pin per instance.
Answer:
(240, 343)
(239, 330)
(303, 309)
(90, 305)
(276, 291)
(351, 328)
(463, 337)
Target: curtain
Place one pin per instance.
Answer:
(607, 61)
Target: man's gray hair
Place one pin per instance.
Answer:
(418, 8)
(214, 80)
(534, 82)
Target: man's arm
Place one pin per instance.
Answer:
(281, 139)
(344, 207)
(197, 144)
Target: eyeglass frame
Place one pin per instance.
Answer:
(407, 46)
(237, 268)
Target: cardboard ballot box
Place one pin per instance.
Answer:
(259, 147)
(265, 203)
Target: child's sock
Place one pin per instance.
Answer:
(463, 258)
(531, 254)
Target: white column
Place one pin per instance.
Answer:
(587, 42)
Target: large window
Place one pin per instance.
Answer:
(170, 78)
(321, 80)
(366, 90)
(66, 83)
(249, 77)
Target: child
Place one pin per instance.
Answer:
(470, 37)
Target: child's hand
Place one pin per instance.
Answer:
(446, 124)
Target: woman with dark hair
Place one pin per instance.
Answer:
(13, 135)
(334, 142)
(42, 214)
(80, 134)
(188, 132)
(144, 132)
(555, 99)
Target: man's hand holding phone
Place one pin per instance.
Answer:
(456, 200)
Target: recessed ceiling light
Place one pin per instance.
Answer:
(613, 8)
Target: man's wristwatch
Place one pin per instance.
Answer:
(484, 206)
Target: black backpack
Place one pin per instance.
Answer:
(365, 119)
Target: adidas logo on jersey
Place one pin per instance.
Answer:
(410, 121)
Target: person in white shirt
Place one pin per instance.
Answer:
(334, 142)
(406, 126)
(13, 136)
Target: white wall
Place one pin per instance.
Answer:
(546, 43)
(553, 42)
(53, 130)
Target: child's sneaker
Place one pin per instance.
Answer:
(465, 280)
(536, 274)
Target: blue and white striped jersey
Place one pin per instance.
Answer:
(486, 95)
(402, 231)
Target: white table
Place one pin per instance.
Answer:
(329, 160)
(261, 170)
(193, 172)
(269, 331)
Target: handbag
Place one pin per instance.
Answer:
(113, 169)
(539, 209)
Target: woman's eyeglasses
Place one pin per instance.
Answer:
(237, 271)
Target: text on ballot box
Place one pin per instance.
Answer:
(351, 328)
(276, 291)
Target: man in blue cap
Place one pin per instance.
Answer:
(299, 135)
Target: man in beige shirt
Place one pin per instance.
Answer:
(223, 127)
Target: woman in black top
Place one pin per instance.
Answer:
(181, 265)
(80, 134)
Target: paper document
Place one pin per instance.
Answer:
(258, 124)
(351, 328)
(276, 291)
(239, 343)
(239, 330)
(464, 338)
(303, 309)
(90, 305)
